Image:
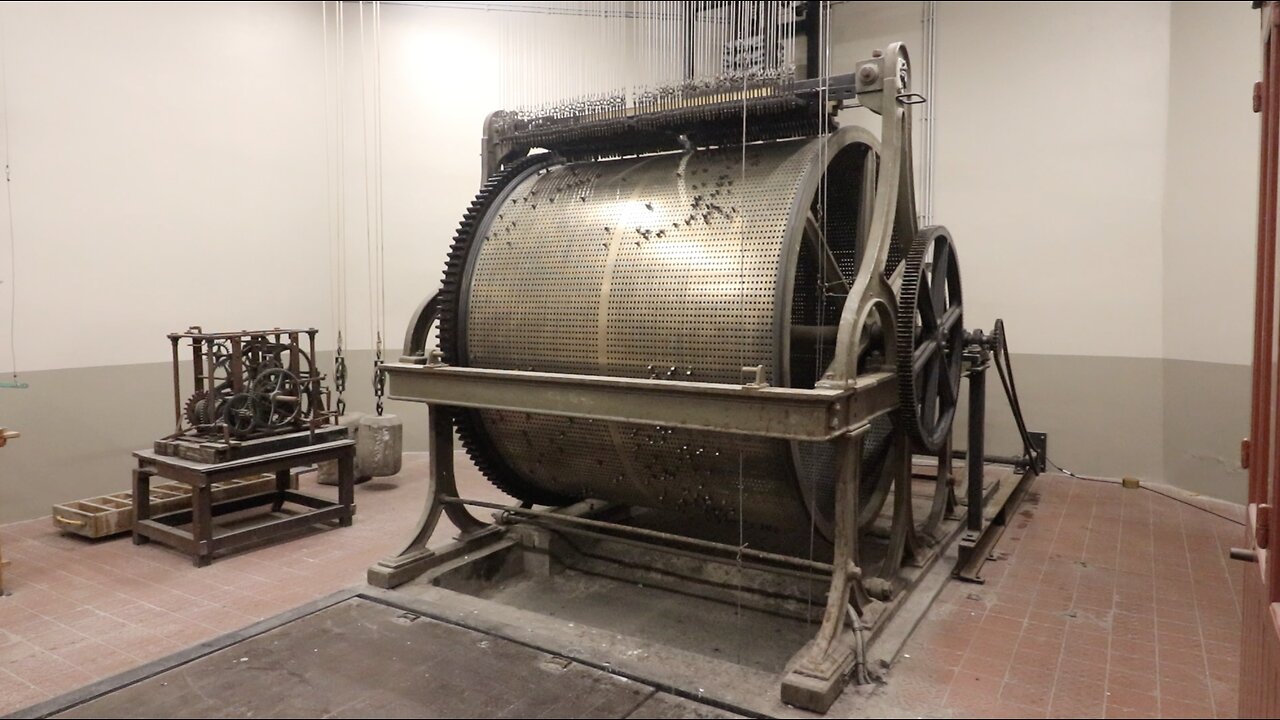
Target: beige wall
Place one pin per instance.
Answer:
(172, 166)
(1209, 223)
(167, 170)
(1096, 163)
(1051, 137)
(1210, 201)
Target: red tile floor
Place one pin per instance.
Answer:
(1103, 601)
(78, 611)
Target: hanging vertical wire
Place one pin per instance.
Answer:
(742, 311)
(500, 47)
(822, 72)
(8, 199)
(328, 163)
(367, 155)
(378, 157)
(340, 164)
(932, 104)
(928, 113)
(655, 55)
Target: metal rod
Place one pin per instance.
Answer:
(997, 459)
(644, 532)
(177, 388)
(977, 420)
(689, 27)
(813, 334)
(801, 574)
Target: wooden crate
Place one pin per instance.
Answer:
(112, 514)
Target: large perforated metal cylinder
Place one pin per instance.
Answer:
(678, 266)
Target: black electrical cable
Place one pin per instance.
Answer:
(1148, 488)
(1001, 358)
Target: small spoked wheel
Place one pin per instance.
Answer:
(239, 414)
(277, 397)
(930, 339)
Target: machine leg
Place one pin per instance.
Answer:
(903, 543)
(975, 464)
(347, 485)
(141, 502)
(817, 674)
(282, 486)
(442, 468)
(982, 532)
(202, 523)
(415, 557)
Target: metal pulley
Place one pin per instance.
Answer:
(379, 379)
(340, 377)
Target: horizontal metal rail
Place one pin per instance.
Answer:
(679, 552)
(746, 552)
(787, 413)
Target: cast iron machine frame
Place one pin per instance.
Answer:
(911, 314)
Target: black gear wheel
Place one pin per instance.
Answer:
(475, 440)
(220, 350)
(240, 414)
(196, 409)
(929, 341)
(277, 398)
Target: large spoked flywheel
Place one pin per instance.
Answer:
(930, 339)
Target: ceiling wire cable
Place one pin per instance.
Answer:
(341, 168)
(8, 197)
(373, 190)
(340, 201)
(368, 184)
(823, 279)
(742, 297)
(933, 105)
(340, 164)
(378, 158)
(927, 116)
(329, 161)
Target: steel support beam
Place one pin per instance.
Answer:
(788, 413)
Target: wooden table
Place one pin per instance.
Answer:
(5, 436)
(202, 541)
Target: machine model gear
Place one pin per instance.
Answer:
(247, 385)
(197, 409)
(277, 398)
(239, 413)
